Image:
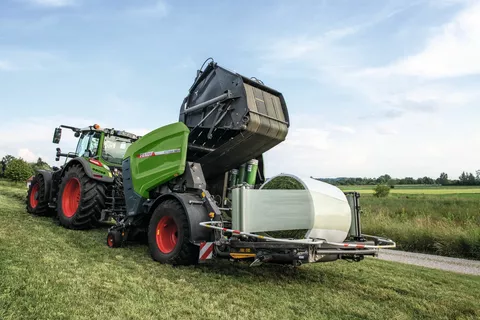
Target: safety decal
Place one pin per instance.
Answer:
(206, 250)
(157, 153)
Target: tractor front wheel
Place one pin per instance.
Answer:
(169, 235)
(37, 199)
(80, 199)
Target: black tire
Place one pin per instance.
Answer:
(114, 239)
(37, 203)
(90, 204)
(184, 252)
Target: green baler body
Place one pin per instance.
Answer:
(158, 157)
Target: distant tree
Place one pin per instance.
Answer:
(381, 190)
(443, 179)
(427, 180)
(392, 182)
(18, 170)
(8, 158)
(471, 179)
(40, 165)
(467, 179)
(4, 164)
(384, 179)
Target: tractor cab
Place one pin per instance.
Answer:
(105, 146)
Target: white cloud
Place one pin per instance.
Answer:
(386, 130)
(6, 66)
(52, 3)
(31, 138)
(375, 150)
(14, 59)
(159, 9)
(452, 51)
(409, 113)
(27, 155)
(343, 129)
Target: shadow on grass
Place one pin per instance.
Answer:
(267, 272)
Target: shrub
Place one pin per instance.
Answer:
(18, 170)
(381, 191)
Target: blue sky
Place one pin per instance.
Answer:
(372, 87)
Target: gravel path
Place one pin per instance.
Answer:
(432, 261)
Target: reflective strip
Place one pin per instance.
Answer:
(157, 153)
(210, 224)
(206, 250)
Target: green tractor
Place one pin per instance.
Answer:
(197, 190)
(85, 190)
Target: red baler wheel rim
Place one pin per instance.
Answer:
(34, 196)
(71, 197)
(110, 240)
(166, 234)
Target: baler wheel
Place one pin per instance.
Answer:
(114, 239)
(169, 235)
(80, 199)
(36, 202)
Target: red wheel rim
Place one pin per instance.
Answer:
(110, 240)
(166, 234)
(34, 196)
(71, 197)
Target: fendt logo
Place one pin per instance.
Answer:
(157, 153)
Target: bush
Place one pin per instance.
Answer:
(18, 170)
(381, 191)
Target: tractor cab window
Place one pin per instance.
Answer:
(88, 144)
(114, 148)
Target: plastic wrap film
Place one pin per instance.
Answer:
(321, 208)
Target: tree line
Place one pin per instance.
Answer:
(17, 169)
(465, 179)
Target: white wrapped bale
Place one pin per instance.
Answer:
(320, 208)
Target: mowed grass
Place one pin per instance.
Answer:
(443, 221)
(48, 272)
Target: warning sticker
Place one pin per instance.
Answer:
(157, 153)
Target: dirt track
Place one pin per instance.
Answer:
(432, 261)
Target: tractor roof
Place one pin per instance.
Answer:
(109, 131)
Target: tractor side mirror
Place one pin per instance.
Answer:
(57, 135)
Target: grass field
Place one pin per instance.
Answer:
(416, 190)
(444, 221)
(48, 272)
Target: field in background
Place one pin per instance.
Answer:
(49, 272)
(415, 189)
(444, 221)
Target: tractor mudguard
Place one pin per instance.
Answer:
(47, 178)
(89, 171)
(196, 213)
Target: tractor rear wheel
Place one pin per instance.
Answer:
(37, 199)
(80, 199)
(169, 235)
